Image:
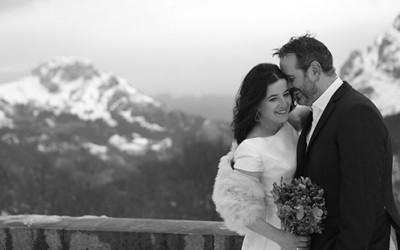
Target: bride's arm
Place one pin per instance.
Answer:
(281, 237)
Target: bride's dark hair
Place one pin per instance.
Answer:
(252, 91)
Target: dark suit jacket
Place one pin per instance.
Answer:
(349, 155)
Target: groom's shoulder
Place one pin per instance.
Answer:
(352, 99)
(354, 96)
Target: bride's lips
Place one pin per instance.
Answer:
(282, 112)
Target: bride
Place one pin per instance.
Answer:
(265, 152)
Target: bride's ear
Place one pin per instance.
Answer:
(257, 116)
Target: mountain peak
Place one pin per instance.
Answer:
(375, 71)
(75, 86)
(396, 23)
(66, 69)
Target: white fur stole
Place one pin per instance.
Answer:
(239, 198)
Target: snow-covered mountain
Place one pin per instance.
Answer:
(74, 86)
(69, 105)
(375, 71)
(68, 85)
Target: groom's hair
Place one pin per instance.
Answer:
(308, 49)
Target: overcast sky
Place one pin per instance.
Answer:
(181, 46)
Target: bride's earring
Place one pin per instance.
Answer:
(257, 117)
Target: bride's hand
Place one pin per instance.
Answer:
(298, 116)
(292, 242)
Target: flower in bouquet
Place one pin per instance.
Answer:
(301, 206)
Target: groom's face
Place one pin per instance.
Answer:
(304, 90)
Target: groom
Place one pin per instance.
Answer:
(344, 148)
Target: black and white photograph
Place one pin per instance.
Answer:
(191, 125)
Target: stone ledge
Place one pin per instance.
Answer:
(91, 232)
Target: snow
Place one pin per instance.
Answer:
(92, 97)
(137, 145)
(118, 103)
(22, 91)
(142, 121)
(5, 121)
(163, 144)
(378, 64)
(88, 99)
(127, 115)
(62, 62)
(134, 95)
(47, 148)
(31, 219)
(385, 91)
(98, 150)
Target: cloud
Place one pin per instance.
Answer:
(11, 5)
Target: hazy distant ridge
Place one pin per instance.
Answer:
(215, 107)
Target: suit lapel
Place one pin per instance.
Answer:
(328, 111)
(302, 145)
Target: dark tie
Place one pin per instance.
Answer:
(302, 145)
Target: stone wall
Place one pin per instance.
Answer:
(90, 232)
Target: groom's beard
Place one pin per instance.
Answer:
(307, 95)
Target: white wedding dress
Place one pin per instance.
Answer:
(275, 157)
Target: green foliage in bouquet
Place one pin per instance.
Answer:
(301, 206)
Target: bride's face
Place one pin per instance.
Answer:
(276, 105)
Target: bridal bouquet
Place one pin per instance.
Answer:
(301, 206)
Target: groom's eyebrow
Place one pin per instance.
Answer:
(290, 77)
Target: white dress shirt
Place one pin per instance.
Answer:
(319, 105)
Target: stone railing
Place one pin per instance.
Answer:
(27, 232)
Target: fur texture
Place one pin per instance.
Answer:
(239, 199)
